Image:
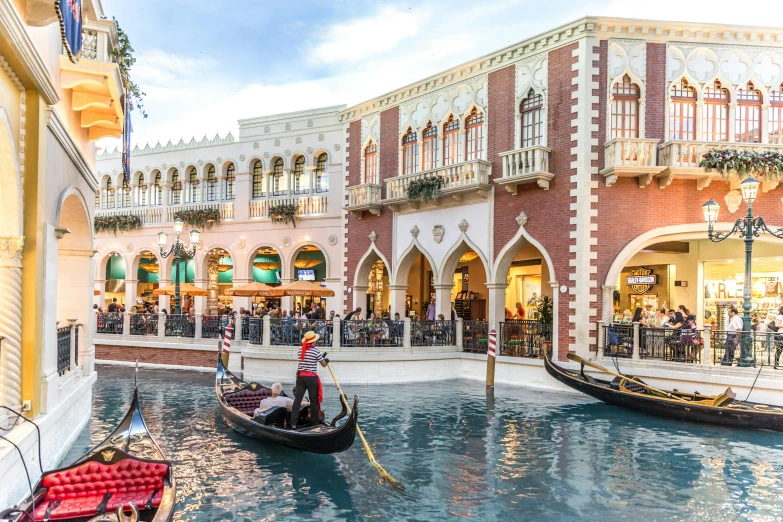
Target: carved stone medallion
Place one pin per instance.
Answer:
(437, 232)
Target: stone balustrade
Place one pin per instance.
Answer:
(528, 165)
(98, 41)
(364, 197)
(308, 205)
(148, 215)
(459, 180)
(631, 158)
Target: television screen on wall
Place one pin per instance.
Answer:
(306, 275)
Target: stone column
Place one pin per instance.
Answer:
(764, 136)
(706, 351)
(443, 300)
(100, 286)
(607, 303)
(266, 332)
(397, 295)
(10, 324)
(212, 283)
(336, 334)
(199, 323)
(360, 297)
(221, 194)
(243, 192)
(698, 135)
(165, 196)
(311, 173)
(131, 285)
(496, 304)
(636, 333)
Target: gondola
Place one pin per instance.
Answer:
(633, 393)
(238, 401)
(127, 473)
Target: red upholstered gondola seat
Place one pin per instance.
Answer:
(83, 488)
(247, 399)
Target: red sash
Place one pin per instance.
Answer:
(320, 385)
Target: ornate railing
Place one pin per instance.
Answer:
(144, 324)
(764, 347)
(433, 333)
(255, 330)
(148, 215)
(289, 332)
(668, 344)
(475, 336)
(180, 326)
(212, 326)
(63, 349)
(171, 211)
(525, 338)
(462, 177)
(109, 323)
(308, 205)
(630, 152)
(365, 195)
(688, 154)
(618, 340)
(530, 164)
(99, 41)
(372, 333)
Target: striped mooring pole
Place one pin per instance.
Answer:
(493, 339)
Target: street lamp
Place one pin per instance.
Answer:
(179, 250)
(747, 228)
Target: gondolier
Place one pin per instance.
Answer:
(307, 379)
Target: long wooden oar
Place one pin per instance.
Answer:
(382, 472)
(578, 359)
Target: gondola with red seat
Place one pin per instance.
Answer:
(125, 473)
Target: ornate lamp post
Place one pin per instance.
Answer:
(179, 250)
(747, 228)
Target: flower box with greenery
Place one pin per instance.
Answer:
(425, 189)
(767, 164)
(284, 213)
(116, 223)
(203, 218)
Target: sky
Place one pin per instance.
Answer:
(205, 64)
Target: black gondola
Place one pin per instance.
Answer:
(238, 400)
(633, 393)
(126, 473)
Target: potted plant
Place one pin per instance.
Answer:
(424, 189)
(202, 218)
(743, 162)
(116, 223)
(284, 213)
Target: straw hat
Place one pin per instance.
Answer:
(311, 337)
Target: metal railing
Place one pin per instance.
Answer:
(618, 340)
(668, 344)
(433, 333)
(764, 347)
(372, 333)
(212, 326)
(144, 324)
(525, 338)
(109, 323)
(180, 326)
(475, 336)
(289, 332)
(255, 330)
(63, 349)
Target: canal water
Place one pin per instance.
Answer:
(462, 455)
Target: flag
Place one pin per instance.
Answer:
(70, 14)
(126, 142)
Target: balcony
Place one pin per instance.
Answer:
(528, 165)
(95, 81)
(364, 197)
(459, 181)
(148, 215)
(680, 160)
(308, 205)
(631, 158)
(226, 210)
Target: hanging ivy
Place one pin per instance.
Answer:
(284, 213)
(202, 218)
(125, 59)
(744, 162)
(425, 189)
(116, 223)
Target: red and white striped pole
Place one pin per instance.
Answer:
(491, 346)
(226, 343)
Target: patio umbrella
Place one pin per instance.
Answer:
(184, 289)
(96, 292)
(252, 290)
(305, 288)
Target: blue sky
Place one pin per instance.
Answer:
(205, 64)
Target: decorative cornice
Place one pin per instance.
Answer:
(14, 30)
(181, 145)
(11, 251)
(57, 127)
(589, 26)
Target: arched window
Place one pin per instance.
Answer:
(142, 191)
(211, 184)
(474, 127)
(429, 147)
(715, 118)
(231, 178)
(258, 180)
(531, 112)
(410, 152)
(450, 141)
(126, 193)
(371, 163)
(301, 182)
(97, 199)
(747, 115)
(110, 199)
(682, 112)
(776, 116)
(321, 176)
(156, 193)
(625, 109)
(277, 177)
(176, 189)
(192, 196)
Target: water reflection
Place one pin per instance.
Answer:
(462, 454)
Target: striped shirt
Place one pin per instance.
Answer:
(310, 362)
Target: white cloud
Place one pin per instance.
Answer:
(362, 38)
(157, 67)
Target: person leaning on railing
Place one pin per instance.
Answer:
(776, 326)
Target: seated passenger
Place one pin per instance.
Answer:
(275, 400)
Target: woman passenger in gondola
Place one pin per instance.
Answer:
(307, 379)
